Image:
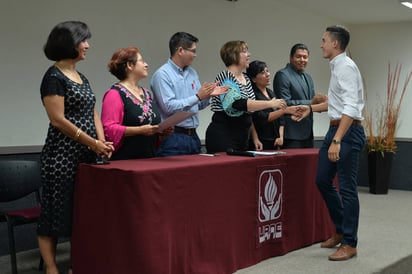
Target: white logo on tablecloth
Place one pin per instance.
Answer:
(270, 205)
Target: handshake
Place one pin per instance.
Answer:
(301, 111)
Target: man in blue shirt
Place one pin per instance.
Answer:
(176, 87)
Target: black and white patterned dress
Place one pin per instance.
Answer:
(61, 154)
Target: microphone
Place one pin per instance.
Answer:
(231, 151)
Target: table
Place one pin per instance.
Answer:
(195, 214)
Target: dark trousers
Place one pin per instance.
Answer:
(179, 144)
(343, 205)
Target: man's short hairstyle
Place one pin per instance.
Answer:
(64, 39)
(296, 47)
(181, 39)
(230, 52)
(341, 34)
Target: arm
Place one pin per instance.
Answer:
(255, 105)
(351, 94)
(173, 96)
(304, 111)
(99, 127)
(334, 149)
(274, 115)
(163, 88)
(54, 105)
(112, 118)
(255, 138)
(279, 141)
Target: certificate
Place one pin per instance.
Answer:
(267, 153)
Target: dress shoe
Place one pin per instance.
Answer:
(332, 241)
(344, 252)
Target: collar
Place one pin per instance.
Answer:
(176, 67)
(337, 58)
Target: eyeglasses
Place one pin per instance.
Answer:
(191, 50)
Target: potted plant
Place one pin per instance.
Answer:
(381, 126)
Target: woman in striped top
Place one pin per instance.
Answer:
(232, 119)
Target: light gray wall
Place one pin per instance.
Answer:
(269, 27)
(374, 46)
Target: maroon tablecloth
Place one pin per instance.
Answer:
(195, 214)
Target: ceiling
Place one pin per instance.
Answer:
(356, 11)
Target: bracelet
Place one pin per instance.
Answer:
(310, 106)
(198, 97)
(95, 144)
(77, 135)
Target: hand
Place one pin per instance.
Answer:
(109, 144)
(258, 145)
(208, 90)
(278, 103)
(319, 98)
(300, 113)
(333, 152)
(103, 148)
(278, 142)
(219, 90)
(167, 132)
(293, 110)
(148, 130)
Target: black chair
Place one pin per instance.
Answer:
(19, 179)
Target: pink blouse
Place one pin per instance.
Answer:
(112, 117)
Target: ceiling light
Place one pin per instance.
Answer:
(406, 4)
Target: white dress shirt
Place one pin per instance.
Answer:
(345, 94)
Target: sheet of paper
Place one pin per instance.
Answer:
(266, 153)
(174, 119)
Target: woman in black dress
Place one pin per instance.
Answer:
(269, 123)
(130, 117)
(75, 133)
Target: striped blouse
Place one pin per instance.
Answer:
(245, 90)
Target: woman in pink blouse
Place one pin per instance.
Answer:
(129, 115)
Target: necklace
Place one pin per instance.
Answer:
(70, 73)
(136, 91)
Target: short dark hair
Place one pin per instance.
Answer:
(255, 68)
(296, 47)
(181, 39)
(118, 63)
(64, 38)
(230, 52)
(341, 34)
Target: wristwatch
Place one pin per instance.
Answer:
(336, 142)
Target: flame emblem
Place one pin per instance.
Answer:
(268, 207)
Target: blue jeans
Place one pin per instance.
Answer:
(343, 205)
(179, 144)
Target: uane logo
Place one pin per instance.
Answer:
(270, 201)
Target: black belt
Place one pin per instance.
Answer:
(335, 123)
(187, 131)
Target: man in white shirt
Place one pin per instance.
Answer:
(342, 145)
